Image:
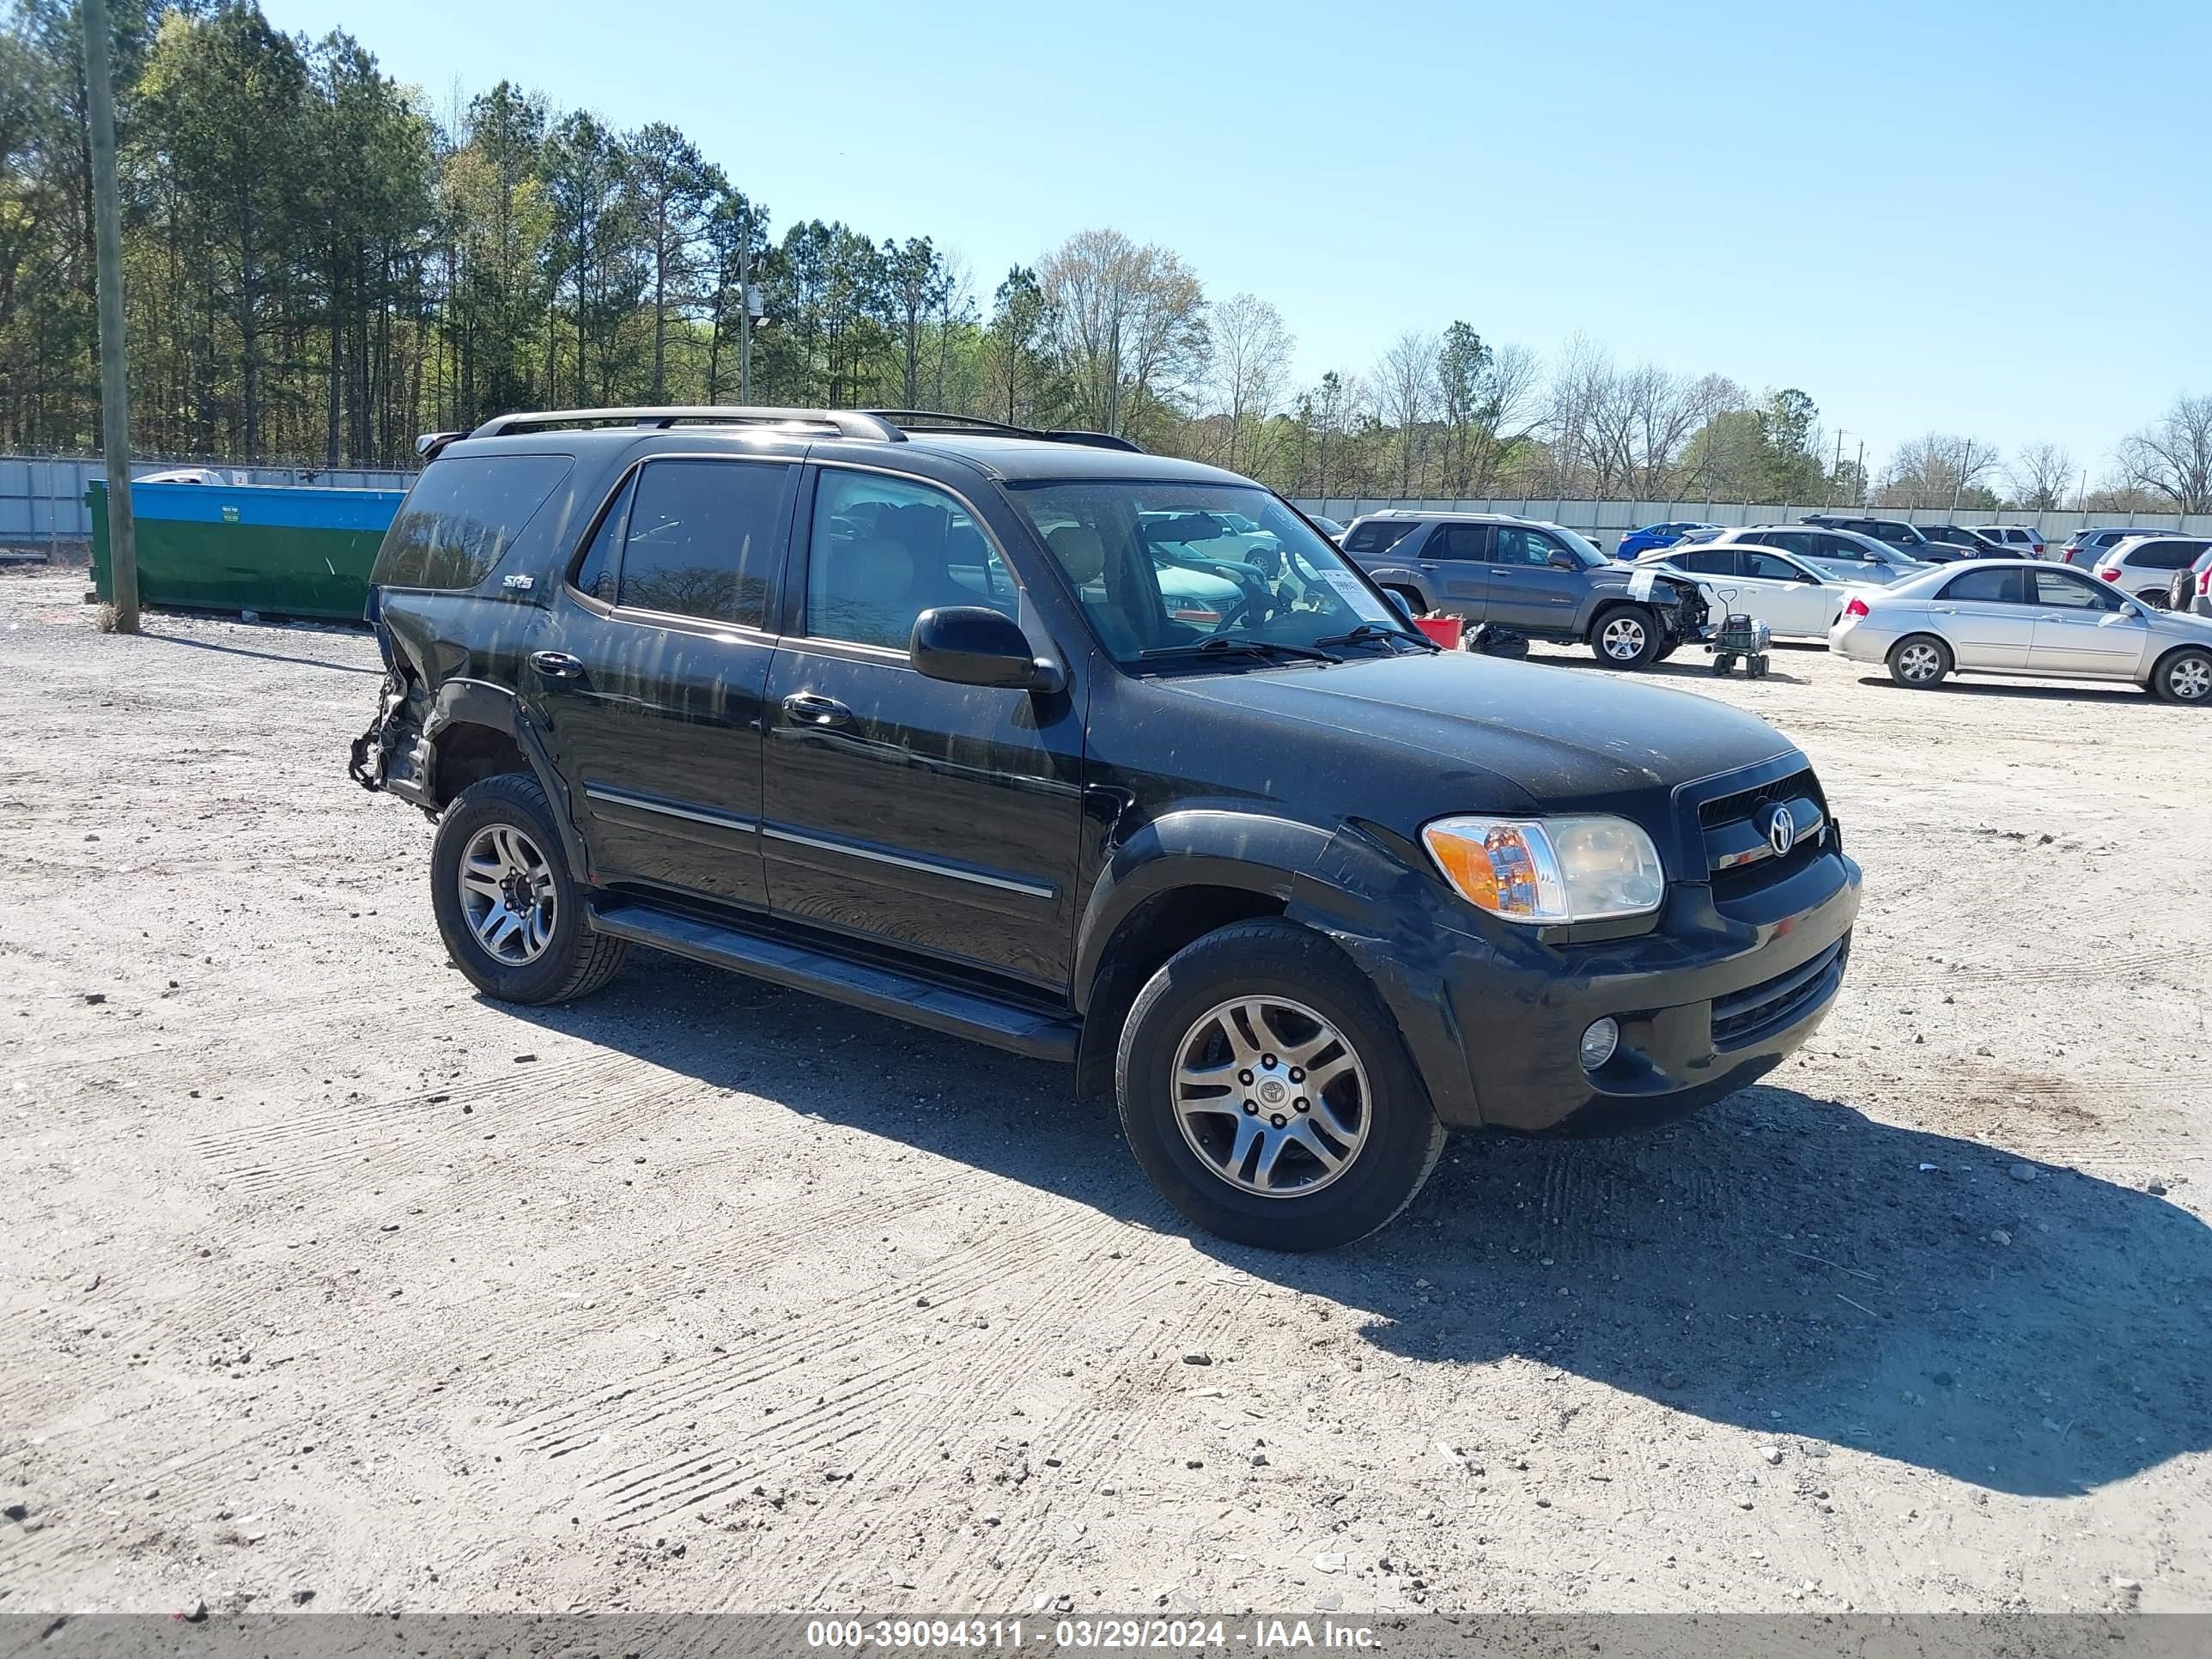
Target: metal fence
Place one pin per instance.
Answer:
(1603, 522)
(42, 498)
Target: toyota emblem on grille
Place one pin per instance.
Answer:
(1781, 831)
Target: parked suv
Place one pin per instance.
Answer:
(1534, 578)
(2145, 565)
(2085, 548)
(2019, 541)
(894, 709)
(2191, 590)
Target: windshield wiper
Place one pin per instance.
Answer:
(1368, 630)
(1222, 644)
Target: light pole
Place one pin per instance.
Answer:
(114, 372)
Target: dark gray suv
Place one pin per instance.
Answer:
(1534, 578)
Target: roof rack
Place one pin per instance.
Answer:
(845, 423)
(933, 420)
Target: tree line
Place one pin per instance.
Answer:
(320, 265)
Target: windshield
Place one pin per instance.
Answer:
(1164, 567)
(1583, 550)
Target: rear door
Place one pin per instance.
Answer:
(1984, 615)
(651, 670)
(928, 816)
(1794, 603)
(2082, 627)
(1455, 558)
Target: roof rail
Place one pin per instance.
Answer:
(845, 423)
(933, 420)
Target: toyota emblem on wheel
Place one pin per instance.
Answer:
(1781, 831)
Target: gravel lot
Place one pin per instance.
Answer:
(323, 1276)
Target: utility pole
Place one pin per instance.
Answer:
(746, 313)
(1959, 481)
(114, 371)
(1858, 484)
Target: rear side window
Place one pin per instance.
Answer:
(1999, 586)
(463, 512)
(2164, 555)
(1377, 535)
(1715, 562)
(699, 538)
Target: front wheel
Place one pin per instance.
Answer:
(1919, 660)
(1265, 1089)
(1625, 638)
(508, 908)
(2184, 676)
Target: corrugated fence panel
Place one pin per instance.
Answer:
(1605, 522)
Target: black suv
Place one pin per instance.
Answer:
(1093, 756)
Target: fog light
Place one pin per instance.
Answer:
(1598, 1043)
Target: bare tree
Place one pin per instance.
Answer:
(2041, 476)
(1406, 392)
(1508, 416)
(1251, 361)
(1127, 325)
(2172, 457)
(1940, 469)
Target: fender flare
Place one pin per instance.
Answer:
(1400, 575)
(481, 702)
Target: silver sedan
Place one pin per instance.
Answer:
(2008, 617)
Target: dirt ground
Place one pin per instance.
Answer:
(324, 1278)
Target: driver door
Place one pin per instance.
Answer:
(1788, 600)
(1527, 592)
(2082, 627)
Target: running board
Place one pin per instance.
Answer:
(879, 990)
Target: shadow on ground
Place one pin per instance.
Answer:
(1780, 1262)
(2041, 691)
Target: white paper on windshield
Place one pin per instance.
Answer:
(1354, 592)
(1641, 584)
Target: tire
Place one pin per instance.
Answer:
(2155, 598)
(2184, 676)
(1722, 663)
(1624, 636)
(1756, 668)
(1666, 651)
(548, 953)
(1178, 1019)
(1911, 666)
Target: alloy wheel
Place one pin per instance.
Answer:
(1271, 1097)
(2190, 681)
(1919, 662)
(508, 895)
(1623, 639)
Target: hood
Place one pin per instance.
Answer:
(1566, 736)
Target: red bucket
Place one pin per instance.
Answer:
(1444, 630)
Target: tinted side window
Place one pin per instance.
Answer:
(701, 537)
(1515, 545)
(1767, 567)
(1715, 562)
(595, 571)
(1377, 535)
(2163, 556)
(1459, 541)
(463, 513)
(882, 550)
(1997, 586)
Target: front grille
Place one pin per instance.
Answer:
(1730, 809)
(1738, 857)
(1744, 1017)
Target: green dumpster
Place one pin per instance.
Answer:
(282, 550)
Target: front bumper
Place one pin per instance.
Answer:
(1707, 1003)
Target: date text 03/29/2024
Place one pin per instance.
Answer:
(1255, 1635)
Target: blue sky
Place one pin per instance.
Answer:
(1987, 219)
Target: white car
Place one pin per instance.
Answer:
(1794, 597)
(2015, 617)
(1838, 552)
(2025, 540)
(2144, 565)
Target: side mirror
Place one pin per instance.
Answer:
(1563, 561)
(1398, 603)
(974, 645)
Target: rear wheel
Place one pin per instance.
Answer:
(2184, 676)
(1919, 660)
(2154, 597)
(507, 905)
(1624, 637)
(1265, 1089)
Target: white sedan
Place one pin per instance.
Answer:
(2010, 617)
(1795, 599)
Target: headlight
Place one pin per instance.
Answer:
(1549, 870)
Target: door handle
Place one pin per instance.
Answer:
(810, 709)
(556, 664)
